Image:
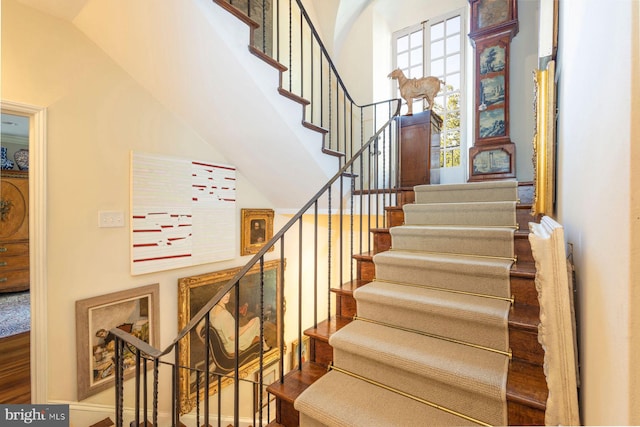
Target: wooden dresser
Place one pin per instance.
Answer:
(14, 231)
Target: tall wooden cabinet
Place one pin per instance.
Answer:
(14, 231)
(420, 149)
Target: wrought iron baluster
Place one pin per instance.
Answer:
(156, 379)
(300, 294)
(236, 371)
(262, 340)
(315, 264)
(329, 257)
(137, 386)
(207, 366)
(119, 360)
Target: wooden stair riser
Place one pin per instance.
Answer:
(381, 240)
(525, 346)
(523, 289)
(524, 216)
(395, 216)
(523, 415)
(286, 414)
(345, 305)
(321, 351)
(406, 196)
(366, 269)
(522, 247)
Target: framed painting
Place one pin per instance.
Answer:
(269, 376)
(495, 162)
(256, 230)
(306, 352)
(135, 311)
(194, 292)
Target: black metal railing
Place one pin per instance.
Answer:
(323, 236)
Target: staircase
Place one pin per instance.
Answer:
(361, 389)
(357, 346)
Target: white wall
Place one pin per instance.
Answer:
(595, 184)
(634, 232)
(97, 114)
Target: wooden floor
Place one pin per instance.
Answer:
(15, 378)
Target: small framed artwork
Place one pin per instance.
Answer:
(269, 376)
(256, 230)
(195, 292)
(496, 162)
(305, 355)
(135, 311)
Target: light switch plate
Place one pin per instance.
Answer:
(110, 219)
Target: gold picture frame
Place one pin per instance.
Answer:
(306, 352)
(133, 310)
(195, 291)
(256, 229)
(544, 143)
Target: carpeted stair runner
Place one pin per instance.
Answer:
(446, 272)
(433, 312)
(496, 191)
(485, 213)
(497, 242)
(433, 326)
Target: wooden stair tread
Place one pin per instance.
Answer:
(325, 329)
(527, 385)
(292, 96)
(238, 14)
(266, 58)
(365, 256)
(379, 230)
(297, 381)
(107, 422)
(314, 127)
(347, 288)
(334, 153)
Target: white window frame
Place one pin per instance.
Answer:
(458, 173)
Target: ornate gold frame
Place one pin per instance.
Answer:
(189, 304)
(248, 217)
(544, 141)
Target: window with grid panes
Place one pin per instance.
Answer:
(436, 48)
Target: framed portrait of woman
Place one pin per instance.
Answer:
(194, 293)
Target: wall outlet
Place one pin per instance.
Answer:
(110, 219)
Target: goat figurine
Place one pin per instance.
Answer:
(424, 87)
